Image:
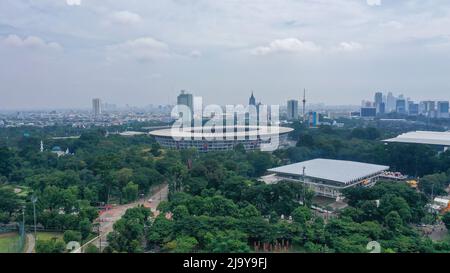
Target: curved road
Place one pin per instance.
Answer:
(108, 218)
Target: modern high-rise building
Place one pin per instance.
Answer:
(96, 107)
(413, 108)
(292, 110)
(186, 99)
(390, 102)
(368, 112)
(443, 109)
(252, 100)
(381, 109)
(314, 120)
(400, 106)
(378, 98)
(428, 109)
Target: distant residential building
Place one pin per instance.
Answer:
(368, 112)
(313, 119)
(96, 107)
(400, 106)
(292, 110)
(186, 99)
(443, 109)
(378, 99)
(390, 102)
(428, 109)
(413, 108)
(381, 109)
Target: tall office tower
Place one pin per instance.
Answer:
(390, 102)
(252, 100)
(186, 99)
(442, 109)
(400, 106)
(313, 119)
(413, 108)
(292, 109)
(429, 109)
(378, 98)
(381, 109)
(96, 107)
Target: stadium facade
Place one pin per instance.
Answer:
(226, 138)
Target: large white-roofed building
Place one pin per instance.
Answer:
(207, 139)
(423, 137)
(329, 177)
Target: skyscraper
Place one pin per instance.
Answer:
(413, 108)
(400, 106)
(378, 101)
(443, 108)
(96, 107)
(292, 109)
(252, 100)
(186, 99)
(378, 98)
(390, 102)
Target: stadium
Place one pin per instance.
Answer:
(207, 139)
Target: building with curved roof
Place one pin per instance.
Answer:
(225, 138)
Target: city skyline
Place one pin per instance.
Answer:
(140, 54)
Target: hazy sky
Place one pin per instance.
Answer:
(62, 53)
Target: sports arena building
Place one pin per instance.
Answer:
(328, 177)
(206, 139)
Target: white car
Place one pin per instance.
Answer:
(150, 200)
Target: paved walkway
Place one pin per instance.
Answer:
(31, 243)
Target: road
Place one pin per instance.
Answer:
(108, 218)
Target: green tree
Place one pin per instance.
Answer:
(71, 235)
(446, 220)
(184, 244)
(9, 201)
(301, 215)
(130, 192)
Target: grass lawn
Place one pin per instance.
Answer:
(47, 236)
(7, 240)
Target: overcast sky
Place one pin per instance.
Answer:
(62, 53)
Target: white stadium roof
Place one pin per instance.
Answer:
(423, 137)
(332, 170)
(206, 132)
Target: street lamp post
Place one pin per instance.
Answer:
(23, 219)
(34, 200)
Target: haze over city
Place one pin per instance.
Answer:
(61, 54)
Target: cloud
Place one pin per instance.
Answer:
(73, 2)
(29, 42)
(392, 24)
(142, 49)
(289, 45)
(349, 47)
(125, 17)
(374, 2)
(195, 54)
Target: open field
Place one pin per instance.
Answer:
(47, 236)
(7, 240)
